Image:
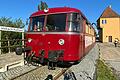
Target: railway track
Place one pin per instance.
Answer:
(25, 73)
(60, 74)
(32, 73)
(15, 72)
(41, 73)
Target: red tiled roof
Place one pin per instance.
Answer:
(109, 13)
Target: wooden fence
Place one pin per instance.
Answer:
(9, 46)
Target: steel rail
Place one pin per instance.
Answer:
(60, 74)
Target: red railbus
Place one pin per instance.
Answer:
(58, 35)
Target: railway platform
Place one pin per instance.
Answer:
(111, 55)
(10, 60)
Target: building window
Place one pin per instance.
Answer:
(104, 21)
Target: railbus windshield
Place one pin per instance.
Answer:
(54, 23)
(37, 23)
(57, 23)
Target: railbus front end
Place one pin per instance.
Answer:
(56, 36)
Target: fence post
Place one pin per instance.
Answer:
(8, 46)
(23, 38)
(0, 42)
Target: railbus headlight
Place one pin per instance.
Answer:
(29, 40)
(61, 41)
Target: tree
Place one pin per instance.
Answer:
(9, 22)
(42, 6)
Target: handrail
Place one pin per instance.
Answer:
(13, 40)
(12, 46)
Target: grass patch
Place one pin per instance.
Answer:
(103, 72)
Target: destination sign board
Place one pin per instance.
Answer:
(4, 28)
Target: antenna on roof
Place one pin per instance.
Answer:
(110, 6)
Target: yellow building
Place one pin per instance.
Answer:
(109, 26)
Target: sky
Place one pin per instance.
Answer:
(92, 9)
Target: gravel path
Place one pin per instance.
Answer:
(111, 55)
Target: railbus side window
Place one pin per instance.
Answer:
(81, 24)
(37, 23)
(74, 22)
